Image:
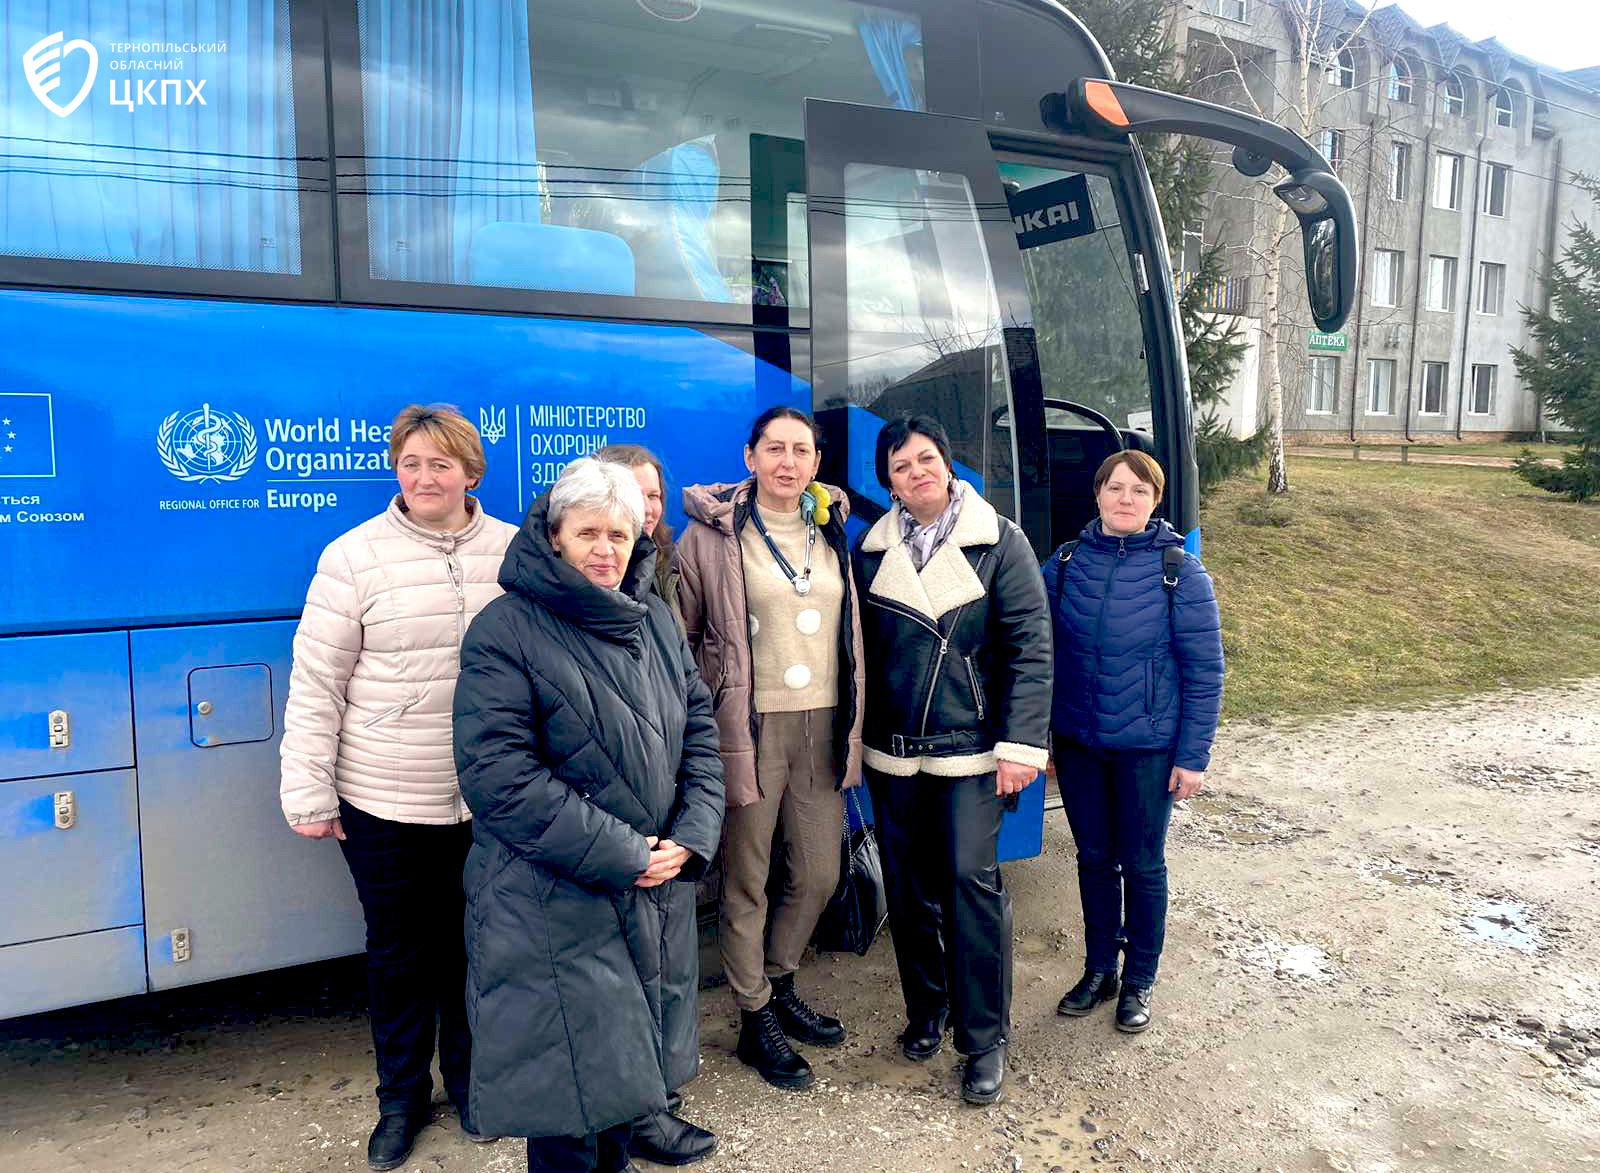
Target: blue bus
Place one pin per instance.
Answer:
(236, 238)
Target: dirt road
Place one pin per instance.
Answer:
(1383, 954)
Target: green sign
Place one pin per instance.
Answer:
(1321, 341)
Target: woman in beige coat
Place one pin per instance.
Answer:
(367, 759)
(771, 614)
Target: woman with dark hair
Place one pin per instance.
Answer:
(772, 618)
(1138, 695)
(665, 1137)
(588, 754)
(958, 713)
(647, 470)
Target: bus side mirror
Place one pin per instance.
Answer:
(1321, 204)
(1113, 109)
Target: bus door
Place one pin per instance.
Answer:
(1089, 280)
(919, 303)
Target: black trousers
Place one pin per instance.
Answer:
(949, 912)
(408, 876)
(1118, 806)
(599, 1152)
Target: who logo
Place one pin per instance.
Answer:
(41, 65)
(206, 445)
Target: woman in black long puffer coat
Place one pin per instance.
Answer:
(588, 752)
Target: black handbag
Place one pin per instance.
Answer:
(856, 912)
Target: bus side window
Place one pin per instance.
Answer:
(603, 146)
(183, 155)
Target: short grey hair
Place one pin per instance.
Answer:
(596, 485)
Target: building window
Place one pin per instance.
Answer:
(1435, 376)
(1491, 288)
(1455, 101)
(1399, 170)
(1238, 10)
(1341, 70)
(1388, 269)
(1497, 189)
(1447, 181)
(1400, 75)
(1504, 113)
(1380, 386)
(1484, 376)
(1442, 284)
(1331, 143)
(1322, 385)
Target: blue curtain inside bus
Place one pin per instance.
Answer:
(638, 177)
(889, 40)
(117, 145)
(448, 121)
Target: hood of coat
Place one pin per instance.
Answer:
(716, 505)
(1155, 536)
(534, 569)
(441, 540)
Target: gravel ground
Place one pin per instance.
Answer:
(1382, 955)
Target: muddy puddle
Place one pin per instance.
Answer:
(1527, 777)
(1504, 922)
(1219, 817)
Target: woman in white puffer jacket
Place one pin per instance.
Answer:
(367, 758)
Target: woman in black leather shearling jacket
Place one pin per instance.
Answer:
(958, 668)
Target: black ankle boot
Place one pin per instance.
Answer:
(923, 1037)
(798, 1020)
(1092, 989)
(1133, 1009)
(980, 1084)
(668, 1139)
(391, 1141)
(763, 1046)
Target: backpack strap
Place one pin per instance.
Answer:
(1063, 555)
(1171, 567)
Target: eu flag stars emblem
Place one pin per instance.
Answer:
(27, 434)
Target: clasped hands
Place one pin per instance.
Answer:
(666, 861)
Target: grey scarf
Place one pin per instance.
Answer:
(925, 539)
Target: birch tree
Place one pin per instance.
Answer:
(1326, 40)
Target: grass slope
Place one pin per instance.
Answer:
(1375, 584)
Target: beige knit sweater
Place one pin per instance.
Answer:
(794, 639)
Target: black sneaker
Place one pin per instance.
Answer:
(1133, 1009)
(391, 1141)
(763, 1046)
(798, 1020)
(1092, 989)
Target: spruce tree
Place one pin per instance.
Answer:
(1563, 369)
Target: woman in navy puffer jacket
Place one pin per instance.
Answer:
(1138, 690)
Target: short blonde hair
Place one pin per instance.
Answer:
(600, 486)
(449, 431)
(1140, 464)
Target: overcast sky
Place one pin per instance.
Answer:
(1562, 33)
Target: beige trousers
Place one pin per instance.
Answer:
(795, 771)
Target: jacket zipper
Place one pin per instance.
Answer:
(972, 676)
(392, 711)
(461, 598)
(1100, 622)
(944, 648)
